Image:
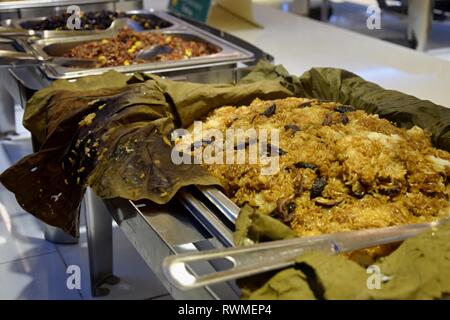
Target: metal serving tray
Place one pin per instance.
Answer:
(157, 231)
(46, 34)
(28, 4)
(46, 48)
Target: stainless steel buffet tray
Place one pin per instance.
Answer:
(28, 4)
(173, 23)
(229, 53)
(46, 48)
(183, 225)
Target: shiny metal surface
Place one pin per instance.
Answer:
(157, 231)
(27, 4)
(267, 256)
(19, 58)
(46, 48)
(15, 26)
(206, 217)
(227, 207)
(9, 98)
(99, 234)
(86, 6)
(56, 235)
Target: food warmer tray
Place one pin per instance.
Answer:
(188, 223)
(183, 225)
(197, 219)
(230, 53)
(28, 4)
(150, 14)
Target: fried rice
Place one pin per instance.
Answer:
(341, 169)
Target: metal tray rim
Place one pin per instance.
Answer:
(49, 34)
(228, 54)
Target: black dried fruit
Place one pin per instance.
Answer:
(292, 127)
(317, 187)
(270, 111)
(344, 108)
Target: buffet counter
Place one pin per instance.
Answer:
(193, 218)
(298, 43)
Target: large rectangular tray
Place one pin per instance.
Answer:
(46, 34)
(28, 4)
(56, 47)
(229, 54)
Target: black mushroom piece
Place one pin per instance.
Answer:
(344, 118)
(270, 111)
(293, 127)
(306, 165)
(344, 108)
(274, 150)
(285, 209)
(318, 187)
(358, 190)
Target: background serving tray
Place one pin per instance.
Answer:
(47, 47)
(149, 15)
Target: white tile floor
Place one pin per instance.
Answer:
(32, 268)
